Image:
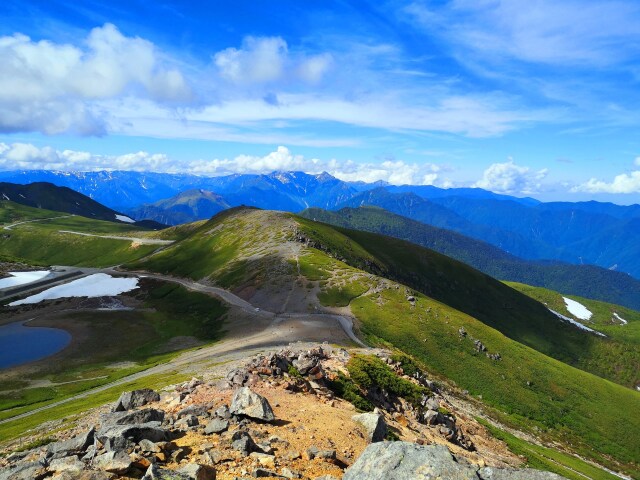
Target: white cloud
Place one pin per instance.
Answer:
(574, 32)
(511, 179)
(19, 156)
(623, 183)
(267, 59)
(637, 161)
(50, 87)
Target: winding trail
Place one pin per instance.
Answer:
(234, 348)
(140, 240)
(9, 227)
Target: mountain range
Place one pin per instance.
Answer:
(601, 234)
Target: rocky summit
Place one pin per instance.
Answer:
(289, 413)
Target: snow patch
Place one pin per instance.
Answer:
(624, 322)
(96, 285)
(22, 278)
(124, 218)
(577, 309)
(577, 324)
(5, 197)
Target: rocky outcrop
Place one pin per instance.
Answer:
(250, 404)
(404, 460)
(135, 399)
(374, 426)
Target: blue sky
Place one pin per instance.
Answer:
(534, 97)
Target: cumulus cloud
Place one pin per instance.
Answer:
(25, 156)
(511, 178)
(267, 59)
(49, 87)
(623, 183)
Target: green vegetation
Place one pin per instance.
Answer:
(543, 458)
(369, 371)
(345, 388)
(25, 241)
(530, 389)
(584, 280)
(341, 295)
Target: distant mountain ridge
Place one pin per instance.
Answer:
(62, 199)
(601, 234)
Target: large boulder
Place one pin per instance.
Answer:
(133, 417)
(250, 404)
(24, 471)
(136, 398)
(117, 462)
(373, 424)
(114, 434)
(404, 460)
(74, 446)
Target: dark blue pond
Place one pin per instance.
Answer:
(21, 344)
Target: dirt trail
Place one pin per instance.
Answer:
(140, 240)
(9, 227)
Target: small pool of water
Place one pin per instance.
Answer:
(21, 344)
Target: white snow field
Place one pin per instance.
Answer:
(96, 285)
(577, 324)
(624, 322)
(124, 218)
(577, 309)
(22, 278)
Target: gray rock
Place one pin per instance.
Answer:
(196, 409)
(66, 464)
(187, 422)
(223, 412)
(264, 473)
(304, 363)
(217, 425)
(134, 433)
(315, 452)
(149, 446)
(24, 471)
(404, 460)
(250, 404)
(490, 473)
(243, 443)
(117, 462)
(84, 475)
(131, 417)
(198, 472)
(375, 428)
(73, 446)
(156, 473)
(136, 398)
(288, 473)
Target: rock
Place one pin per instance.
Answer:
(74, 446)
(136, 398)
(223, 412)
(24, 471)
(264, 473)
(217, 425)
(149, 446)
(404, 460)
(290, 455)
(145, 431)
(264, 459)
(314, 452)
(196, 409)
(243, 443)
(304, 363)
(187, 422)
(156, 473)
(490, 473)
(250, 404)
(66, 464)
(288, 473)
(117, 462)
(136, 416)
(198, 472)
(375, 428)
(84, 475)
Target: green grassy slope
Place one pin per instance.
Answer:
(470, 291)
(43, 242)
(584, 280)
